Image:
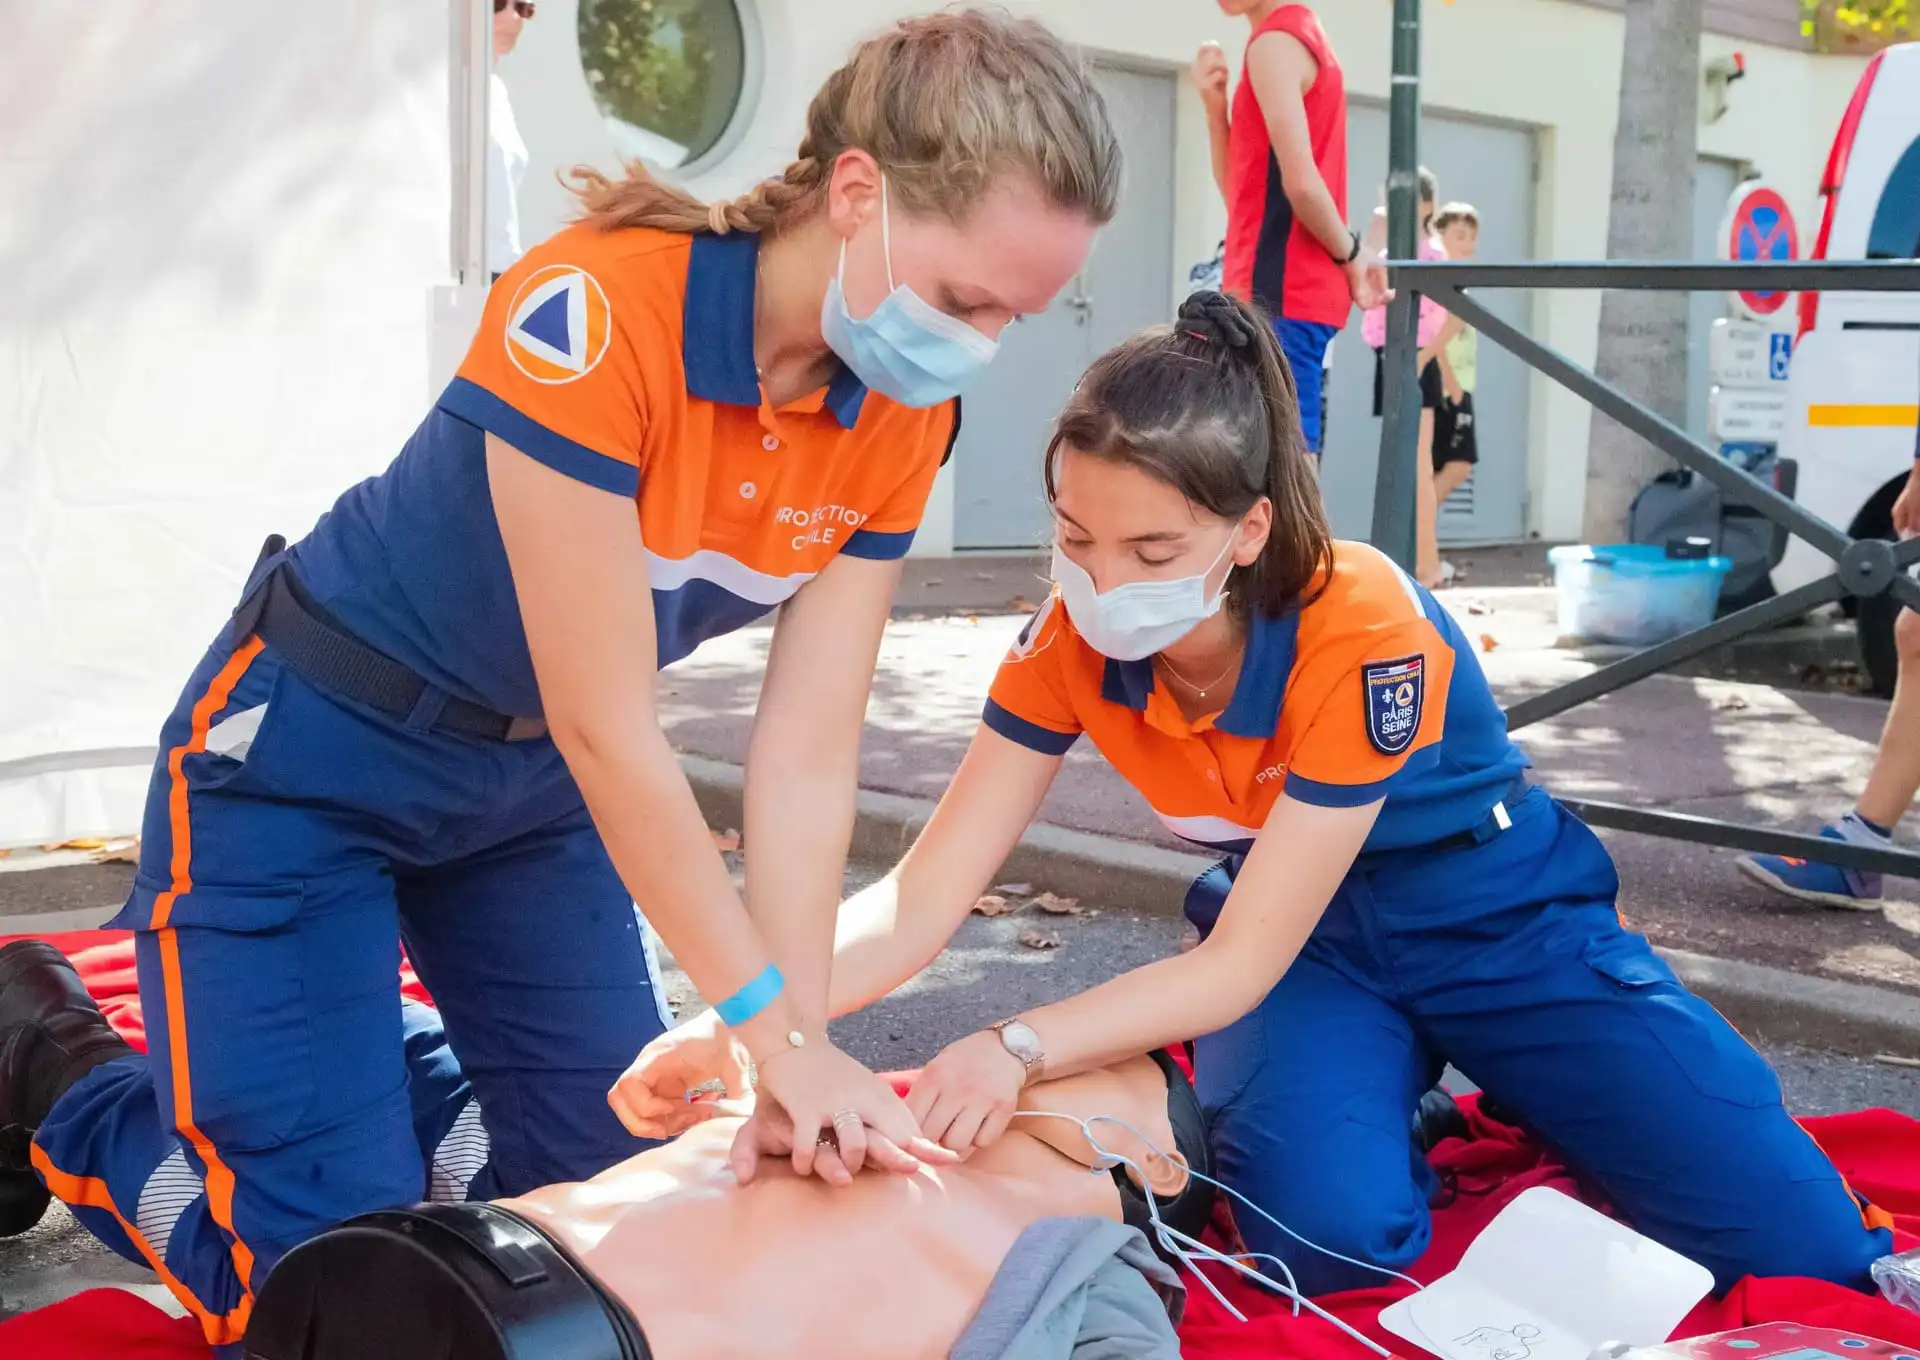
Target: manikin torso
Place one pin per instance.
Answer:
(891, 1267)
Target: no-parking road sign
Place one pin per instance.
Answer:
(1759, 226)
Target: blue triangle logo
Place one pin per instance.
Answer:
(547, 323)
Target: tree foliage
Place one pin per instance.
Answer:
(655, 64)
(1838, 24)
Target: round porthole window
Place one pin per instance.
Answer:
(668, 76)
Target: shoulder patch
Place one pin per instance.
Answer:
(1395, 692)
(558, 324)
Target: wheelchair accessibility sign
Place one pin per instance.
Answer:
(1779, 353)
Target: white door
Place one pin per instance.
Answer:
(999, 499)
(1492, 167)
(1713, 184)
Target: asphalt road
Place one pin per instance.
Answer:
(988, 973)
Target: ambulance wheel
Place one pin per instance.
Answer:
(1879, 657)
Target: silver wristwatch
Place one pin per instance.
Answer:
(1018, 1038)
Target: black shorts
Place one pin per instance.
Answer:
(1453, 440)
(1432, 391)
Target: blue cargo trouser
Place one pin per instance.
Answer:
(1509, 960)
(293, 840)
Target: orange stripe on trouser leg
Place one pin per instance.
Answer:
(210, 703)
(219, 1177)
(1872, 1217)
(89, 1193)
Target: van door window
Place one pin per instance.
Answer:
(1895, 234)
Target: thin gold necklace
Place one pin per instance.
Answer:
(1199, 691)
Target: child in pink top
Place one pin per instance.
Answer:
(1373, 321)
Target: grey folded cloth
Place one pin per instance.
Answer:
(1077, 1289)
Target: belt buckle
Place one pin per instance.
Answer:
(526, 729)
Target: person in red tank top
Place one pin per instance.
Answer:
(1280, 159)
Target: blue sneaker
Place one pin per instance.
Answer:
(1827, 884)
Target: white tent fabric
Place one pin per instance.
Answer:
(220, 226)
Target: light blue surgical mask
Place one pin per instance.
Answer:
(906, 349)
(1135, 620)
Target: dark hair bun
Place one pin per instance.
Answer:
(1212, 315)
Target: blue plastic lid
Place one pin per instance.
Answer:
(1638, 559)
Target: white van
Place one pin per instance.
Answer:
(1853, 388)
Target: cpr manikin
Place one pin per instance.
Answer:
(667, 1257)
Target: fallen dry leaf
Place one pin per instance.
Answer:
(4, 853)
(78, 843)
(1014, 889)
(1020, 604)
(126, 854)
(1477, 608)
(1732, 703)
(1039, 939)
(1055, 905)
(991, 905)
(973, 620)
(1488, 642)
(724, 841)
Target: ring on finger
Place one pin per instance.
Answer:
(827, 1139)
(847, 1119)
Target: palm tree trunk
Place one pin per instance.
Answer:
(1643, 335)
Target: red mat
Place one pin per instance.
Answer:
(1879, 1153)
(104, 960)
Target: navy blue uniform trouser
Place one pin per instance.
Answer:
(285, 1089)
(1509, 960)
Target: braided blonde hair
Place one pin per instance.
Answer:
(944, 103)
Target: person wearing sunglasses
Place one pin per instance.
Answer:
(506, 151)
(433, 720)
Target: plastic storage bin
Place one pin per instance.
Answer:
(1634, 593)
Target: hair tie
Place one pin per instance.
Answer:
(1212, 315)
(717, 218)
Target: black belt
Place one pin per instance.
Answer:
(278, 610)
(1498, 819)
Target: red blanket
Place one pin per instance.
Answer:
(104, 959)
(1878, 1152)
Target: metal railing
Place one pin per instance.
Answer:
(1863, 567)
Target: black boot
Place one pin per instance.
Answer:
(1437, 1118)
(51, 1035)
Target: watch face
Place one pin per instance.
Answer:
(1021, 1041)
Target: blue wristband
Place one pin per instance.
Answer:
(751, 999)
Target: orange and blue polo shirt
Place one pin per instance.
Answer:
(1369, 691)
(624, 360)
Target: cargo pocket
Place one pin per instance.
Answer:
(235, 740)
(232, 983)
(1708, 1051)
